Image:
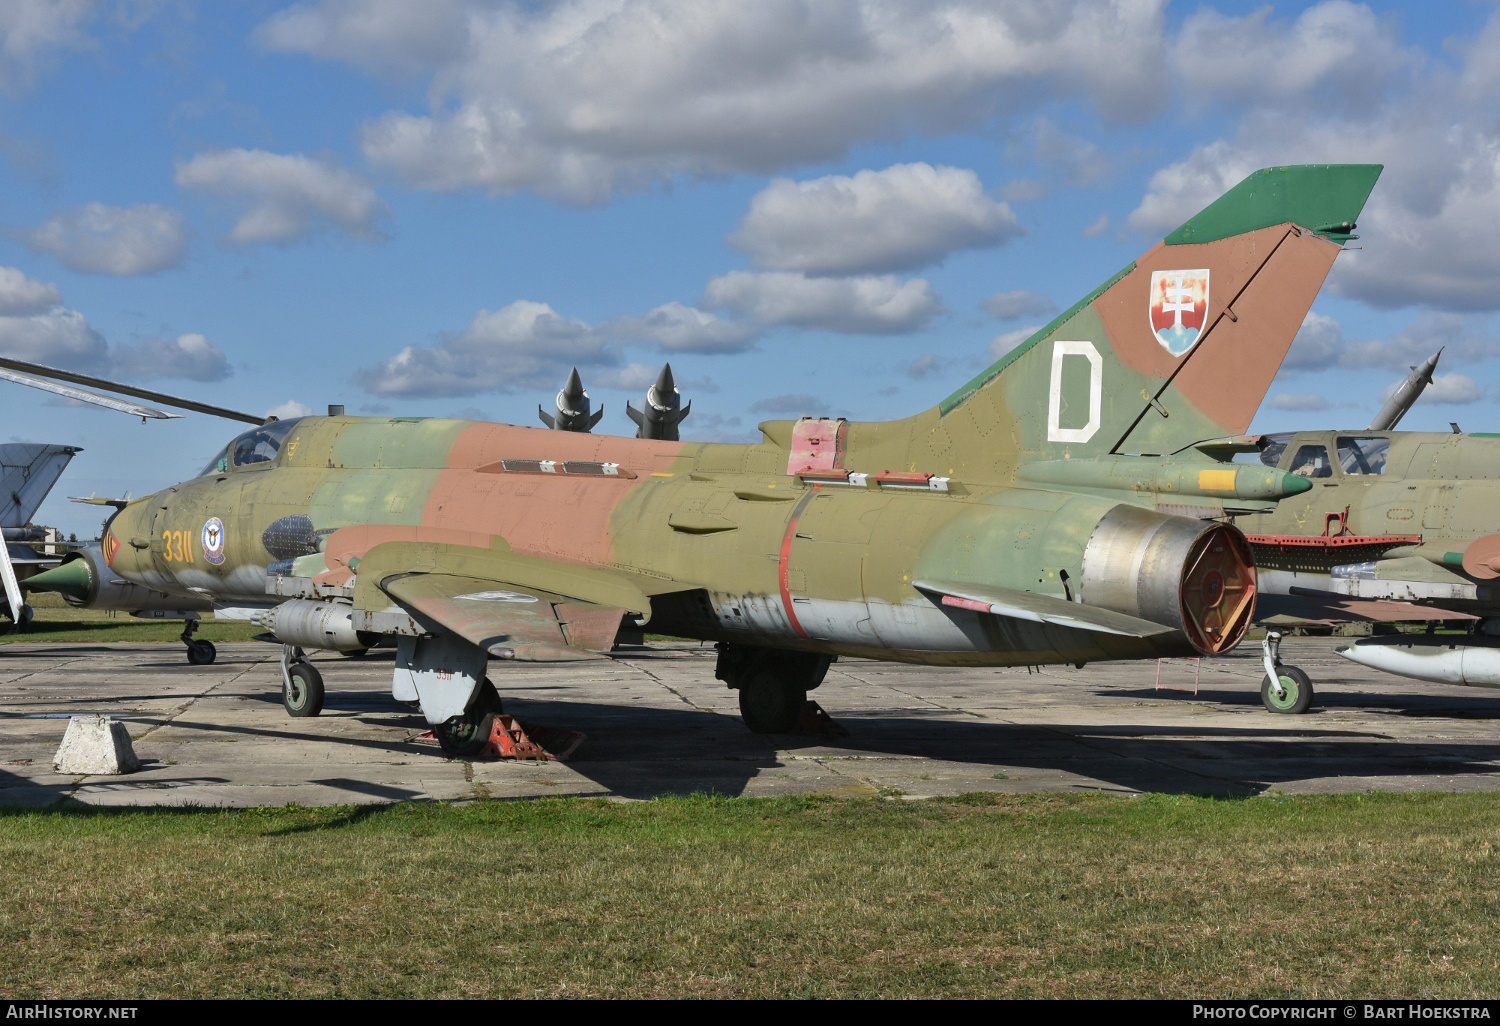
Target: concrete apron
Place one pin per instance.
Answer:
(658, 723)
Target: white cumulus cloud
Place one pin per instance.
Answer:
(1303, 402)
(289, 409)
(37, 328)
(56, 338)
(678, 328)
(190, 356)
(866, 305)
(580, 100)
(1451, 389)
(899, 219)
(31, 29)
(100, 239)
(1341, 50)
(286, 195)
(1320, 343)
(21, 296)
(1005, 306)
(1002, 344)
(524, 345)
(1427, 235)
(1098, 228)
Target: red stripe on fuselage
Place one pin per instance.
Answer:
(786, 554)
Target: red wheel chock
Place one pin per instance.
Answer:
(512, 739)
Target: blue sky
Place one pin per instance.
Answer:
(822, 208)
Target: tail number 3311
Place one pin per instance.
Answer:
(177, 546)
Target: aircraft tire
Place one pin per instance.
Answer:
(1299, 691)
(770, 704)
(305, 696)
(201, 653)
(465, 736)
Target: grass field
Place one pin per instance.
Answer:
(55, 620)
(1086, 896)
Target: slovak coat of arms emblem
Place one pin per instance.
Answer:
(1179, 308)
(213, 541)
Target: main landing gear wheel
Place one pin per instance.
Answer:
(302, 692)
(1296, 691)
(466, 735)
(770, 704)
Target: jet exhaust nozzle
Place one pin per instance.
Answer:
(1195, 575)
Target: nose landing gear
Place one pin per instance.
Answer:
(200, 652)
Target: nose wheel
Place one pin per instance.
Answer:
(199, 651)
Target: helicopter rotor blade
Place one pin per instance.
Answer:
(134, 409)
(138, 393)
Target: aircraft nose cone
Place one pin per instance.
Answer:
(72, 579)
(664, 384)
(574, 387)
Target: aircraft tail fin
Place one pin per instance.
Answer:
(28, 470)
(1181, 345)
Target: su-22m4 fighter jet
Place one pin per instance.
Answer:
(1398, 525)
(1059, 508)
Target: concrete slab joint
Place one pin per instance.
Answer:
(96, 745)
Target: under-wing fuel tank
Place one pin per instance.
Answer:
(1466, 659)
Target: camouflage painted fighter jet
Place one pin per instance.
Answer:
(1059, 508)
(1397, 526)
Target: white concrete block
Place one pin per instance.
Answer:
(95, 745)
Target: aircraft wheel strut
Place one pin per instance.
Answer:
(1296, 692)
(302, 694)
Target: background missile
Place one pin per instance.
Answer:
(1419, 378)
(572, 408)
(661, 414)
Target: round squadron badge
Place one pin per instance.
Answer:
(213, 541)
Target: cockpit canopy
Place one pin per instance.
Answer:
(258, 445)
(1356, 455)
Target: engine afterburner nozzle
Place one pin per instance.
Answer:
(1195, 575)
